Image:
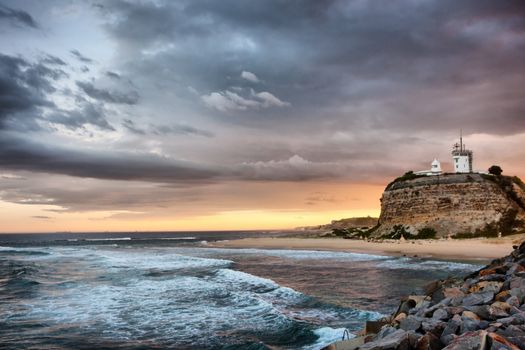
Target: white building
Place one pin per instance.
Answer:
(435, 169)
(462, 157)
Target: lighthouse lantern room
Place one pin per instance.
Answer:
(462, 157)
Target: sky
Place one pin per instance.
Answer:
(203, 114)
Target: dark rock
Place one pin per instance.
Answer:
(450, 329)
(471, 315)
(398, 340)
(500, 278)
(440, 314)
(502, 296)
(500, 343)
(453, 292)
(483, 311)
(385, 331)
(453, 310)
(469, 341)
(373, 327)
(411, 323)
(468, 325)
(428, 342)
(499, 269)
(519, 293)
(499, 309)
(517, 282)
(513, 301)
(478, 298)
(434, 326)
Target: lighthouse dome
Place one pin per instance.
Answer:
(436, 166)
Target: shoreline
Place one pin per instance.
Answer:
(475, 249)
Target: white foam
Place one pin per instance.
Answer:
(109, 239)
(413, 264)
(327, 336)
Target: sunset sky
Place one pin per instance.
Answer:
(206, 114)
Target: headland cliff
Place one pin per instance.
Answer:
(456, 205)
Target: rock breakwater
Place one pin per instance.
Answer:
(483, 311)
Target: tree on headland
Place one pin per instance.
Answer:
(495, 170)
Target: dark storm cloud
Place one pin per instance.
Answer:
(178, 129)
(78, 118)
(129, 98)
(24, 87)
(81, 57)
(359, 63)
(20, 154)
(17, 17)
(53, 60)
(113, 75)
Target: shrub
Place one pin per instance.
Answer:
(495, 170)
(409, 175)
(426, 233)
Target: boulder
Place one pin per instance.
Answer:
(517, 282)
(400, 317)
(450, 329)
(433, 326)
(469, 341)
(373, 327)
(411, 323)
(483, 311)
(486, 286)
(499, 269)
(428, 342)
(398, 340)
(453, 292)
(440, 314)
(499, 343)
(478, 298)
(513, 301)
(499, 309)
(471, 315)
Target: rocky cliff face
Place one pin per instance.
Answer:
(453, 204)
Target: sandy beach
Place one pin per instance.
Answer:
(468, 249)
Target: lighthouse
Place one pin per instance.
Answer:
(462, 157)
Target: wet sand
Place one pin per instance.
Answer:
(467, 249)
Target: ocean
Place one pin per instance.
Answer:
(173, 291)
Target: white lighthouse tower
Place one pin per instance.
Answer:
(462, 157)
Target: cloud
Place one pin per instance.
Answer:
(269, 100)
(89, 114)
(295, 168)
(43, 217)
(180, 129)
(81, 57)
(249, 76)
(17, 17)
(113, 75)
(53, 60)
(175, 129)
(230, 101)
(128, 98)
(24, 87)
(20, 154)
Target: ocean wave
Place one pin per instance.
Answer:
(300, 254)
(108, 239)
(326, 336)
(424, 264)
